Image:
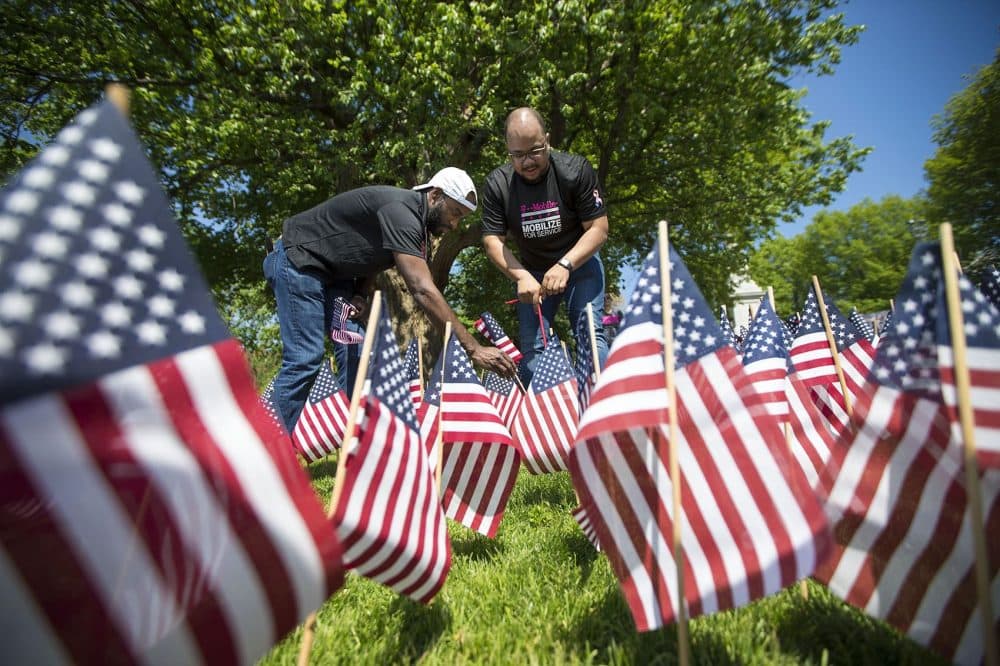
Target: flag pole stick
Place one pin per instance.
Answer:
(420, 362)
(119, 95)
(309, 628)
(833, 345)
(675, 473)
(541, 325)
(966, 418)
(592, 333)
(439, 441)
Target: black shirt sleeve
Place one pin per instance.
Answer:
(402, 231)
(495, 194)
(588, 197)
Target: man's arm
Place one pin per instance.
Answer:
(595, 234)
(418, 280)
(528, 289)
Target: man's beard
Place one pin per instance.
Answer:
(435, 224)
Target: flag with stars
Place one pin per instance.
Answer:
(727, 329)
(990, 285)
(864, 326)
(320, 429)
(493, 331)
(903, 549)
(751, 523)
(886, 323)
(389, 518)
(339, 322)
(172, 520)
(586, 374)
(546, 424)
(813, 364)
(765, 361)
(411, 366)
(479, 462)
(505, 395)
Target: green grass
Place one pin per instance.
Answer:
(540, 594)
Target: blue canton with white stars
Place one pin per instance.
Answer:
(459, 366)
(389, 383)
(432, 394)
(765, 338)
(500, 385)
(990, 285)
(726, 328)
(844, 332)
(96, 275)
(584, 358)
(551, 369)
(863, 325)
(696, 333)
(411, 361)
(811, 321)
(324, 385)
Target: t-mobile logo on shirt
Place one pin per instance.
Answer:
(540, 219)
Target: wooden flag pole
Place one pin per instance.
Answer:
(420, 362)
(675, 472)
(309, 628)
(966, 419)
(770, 297)
(833, 346)
(119, 95)
(439, 440)
(592, 333)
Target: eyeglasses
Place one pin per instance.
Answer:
(521, 155)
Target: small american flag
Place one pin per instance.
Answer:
(480, 463)
(862, 324)
(160, 514)
(586, 374)
(342, 312)
(765, 361)
(727, 329)
(411, 366)
(751, 524)
(546, 423)
(505, 395)
(320, 428)
(493, 331)
(389, 517)
(898, 498)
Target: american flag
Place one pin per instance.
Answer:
(547, 421)
(813, 364)
(990, 285)
(586, 374)
(170, 521)
(342, 311)
(389, 517)
(765, 361)
(493, 331)
(505, 395)
(479, 460)
(862, 324)
(411, 366)
(582, 519)
(886, 324)
(981, 323)
(751, 524)
(904, 547)
(320, 428)
(727, 329)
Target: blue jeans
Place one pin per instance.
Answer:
(585, 285)
(305, 312)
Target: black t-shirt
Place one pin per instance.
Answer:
(354, 234)
(544, 219)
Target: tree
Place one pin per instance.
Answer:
(964, 173)
(859, 255)
(256, 110)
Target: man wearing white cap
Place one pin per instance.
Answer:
(337, 248)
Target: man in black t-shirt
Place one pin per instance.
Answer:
(551, 206)
(337, 248)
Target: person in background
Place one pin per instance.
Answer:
(336, 249)
(551, 206)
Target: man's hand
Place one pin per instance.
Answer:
(554, 281)
(528, 290)
(491, 358)
(360, 305)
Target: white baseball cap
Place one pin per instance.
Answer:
(456, 184)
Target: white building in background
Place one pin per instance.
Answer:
(746, 299)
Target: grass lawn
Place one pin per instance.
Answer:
(540, 593)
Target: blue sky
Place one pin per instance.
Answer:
(912, 58)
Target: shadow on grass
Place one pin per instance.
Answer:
(583, 552)
(552, 489)
(473, 546)
(420, 627)
(825, 622)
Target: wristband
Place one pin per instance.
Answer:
(566, 263)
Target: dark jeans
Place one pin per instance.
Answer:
(585, 285)
(305, 312)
